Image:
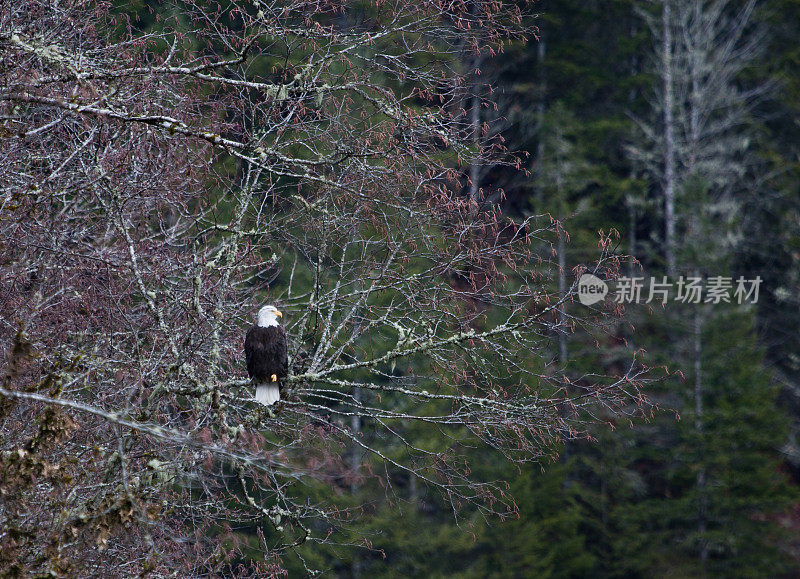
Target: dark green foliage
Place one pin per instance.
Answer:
(551, 535)
(735, 448)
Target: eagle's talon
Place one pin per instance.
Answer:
(274, 377)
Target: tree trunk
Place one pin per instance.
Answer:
(475, 127)
(669, 141)
(698, 421)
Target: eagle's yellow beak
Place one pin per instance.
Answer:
(277, 313)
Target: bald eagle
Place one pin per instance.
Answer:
(265, 349)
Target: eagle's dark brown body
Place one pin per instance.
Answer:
(266, 352)
(265, 348)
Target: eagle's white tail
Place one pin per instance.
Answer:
(267, 394)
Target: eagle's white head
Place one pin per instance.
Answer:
(268, 316)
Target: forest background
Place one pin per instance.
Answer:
(666, 132)
(693, 491)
